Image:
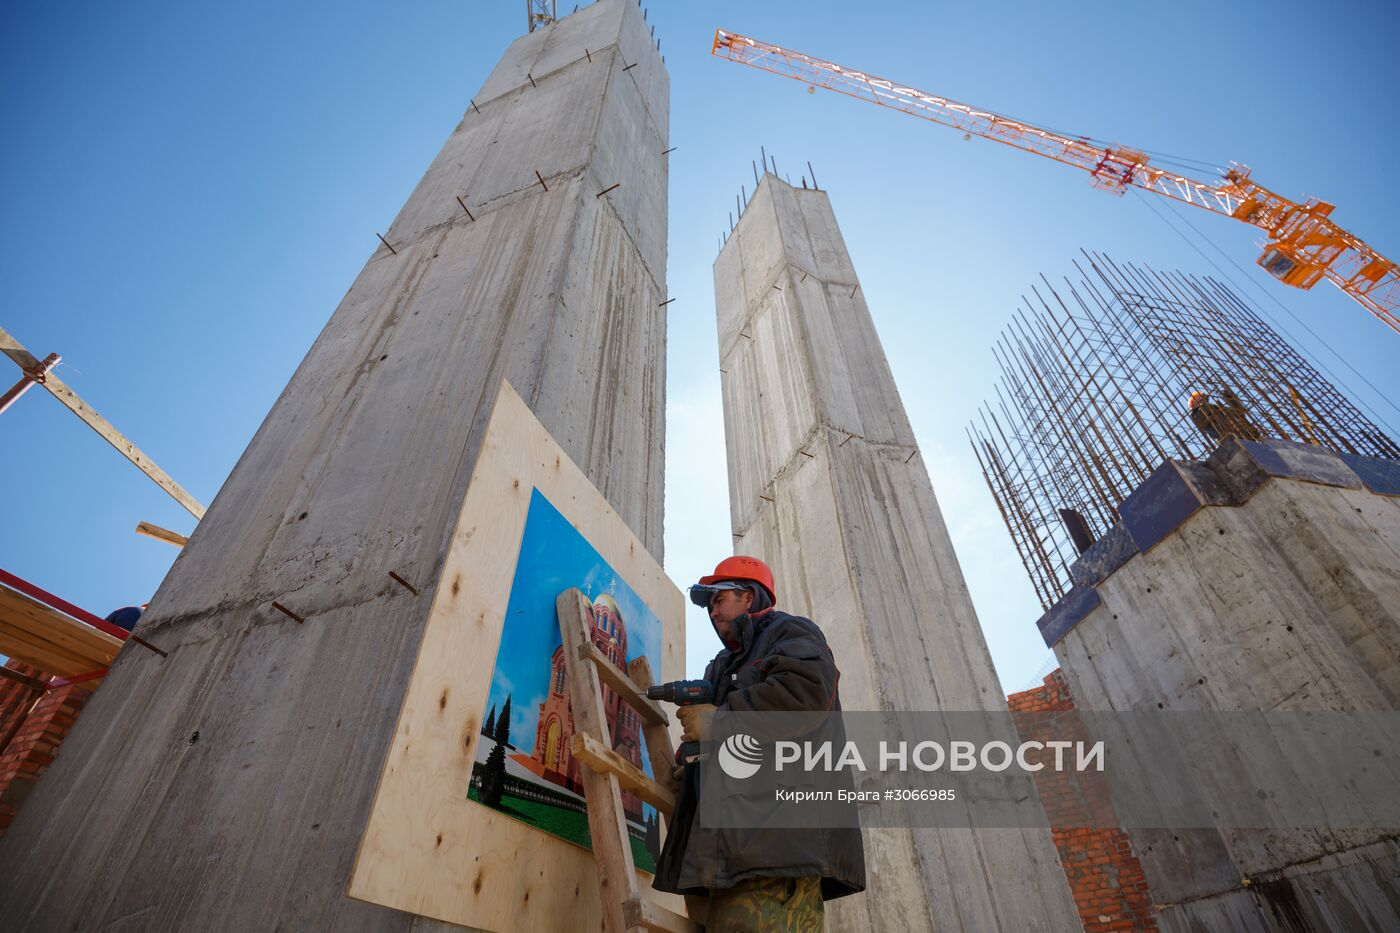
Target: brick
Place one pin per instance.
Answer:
(35, 744)
(1104, 876)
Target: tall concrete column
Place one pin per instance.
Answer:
(827, 485)
(226, 786)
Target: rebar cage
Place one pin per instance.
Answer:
(1095, 393)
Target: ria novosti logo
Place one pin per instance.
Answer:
(740, 756)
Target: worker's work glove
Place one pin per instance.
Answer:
(697, 722)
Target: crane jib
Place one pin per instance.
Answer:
(1304, 245)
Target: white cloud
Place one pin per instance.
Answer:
(524, 718)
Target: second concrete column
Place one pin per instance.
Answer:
(828, 487)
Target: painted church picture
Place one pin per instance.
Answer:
(523, 765)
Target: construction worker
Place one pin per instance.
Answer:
(769, 879)
(127, 616)
(1226, 418)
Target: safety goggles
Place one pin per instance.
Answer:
(701, 594)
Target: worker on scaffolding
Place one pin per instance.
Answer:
(769, 879)
(1227, 418)
(127, 616)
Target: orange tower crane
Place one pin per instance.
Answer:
(1304, 245)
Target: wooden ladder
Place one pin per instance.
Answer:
(606, 773)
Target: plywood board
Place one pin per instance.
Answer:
(427, 848)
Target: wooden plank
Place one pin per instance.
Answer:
(68, 611)
(50, 625)
(645, 915)
(21, 643)
(661, 750)
(607, 823)
(22, 629)
(41, 636)
(22, 646)
(605, 760)
(650, 711)
(62, 605)
(161, 534)
(15, 351)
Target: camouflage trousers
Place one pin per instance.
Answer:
(769, 905)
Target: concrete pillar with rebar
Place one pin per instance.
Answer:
(226, 786)
(1264, 577)
(827, 485)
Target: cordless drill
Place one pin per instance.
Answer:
(685, 693)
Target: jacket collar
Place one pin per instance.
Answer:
(748, 627)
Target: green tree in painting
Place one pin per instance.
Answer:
(493, 773)
(503, 724)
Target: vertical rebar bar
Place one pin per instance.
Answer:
(1093, 396)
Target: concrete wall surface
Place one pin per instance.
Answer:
(827, 486)
(1281, 594)
(226, 786)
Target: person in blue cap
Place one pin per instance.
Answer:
(127, 616)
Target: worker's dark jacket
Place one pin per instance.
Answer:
(1230, 418)
(782, 662)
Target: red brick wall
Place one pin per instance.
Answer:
(15, 699)
(1104, 875)
(42, 726)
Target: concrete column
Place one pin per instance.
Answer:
(827, 485)
(226, 786)
(1266, 578)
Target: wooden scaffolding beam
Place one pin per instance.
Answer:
(29, 364)
(606, 773)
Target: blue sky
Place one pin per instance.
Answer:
(189, 189)
(554, 557)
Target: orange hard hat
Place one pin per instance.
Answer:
(750, 569)
(1196, 399)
